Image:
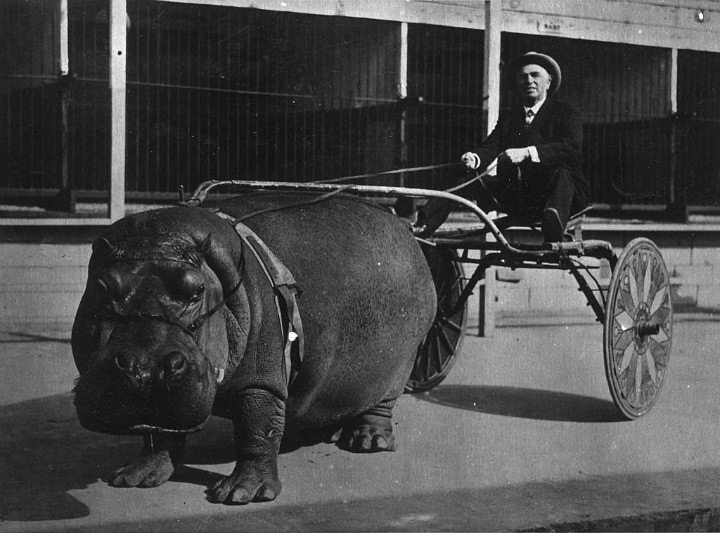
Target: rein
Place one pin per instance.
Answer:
(192, 328)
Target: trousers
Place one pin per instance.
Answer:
(522, 195)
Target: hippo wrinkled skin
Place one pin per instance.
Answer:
(179, 321)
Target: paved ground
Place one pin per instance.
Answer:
(522, 435)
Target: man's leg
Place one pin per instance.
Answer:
(559, 197)
(436, 210)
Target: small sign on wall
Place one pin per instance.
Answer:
(549, 26)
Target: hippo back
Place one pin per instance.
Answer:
(367, 296)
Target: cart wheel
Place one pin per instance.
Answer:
(437, 353)
(638, 328)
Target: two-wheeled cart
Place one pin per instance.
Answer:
(635, 307)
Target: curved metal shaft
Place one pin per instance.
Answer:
(202, 191)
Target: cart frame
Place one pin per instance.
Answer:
(635, 308)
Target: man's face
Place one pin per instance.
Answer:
(532, 82)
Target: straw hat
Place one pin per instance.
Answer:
(535, 58)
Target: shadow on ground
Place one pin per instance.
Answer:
(521, 402)
(15, 337)
(45, 453)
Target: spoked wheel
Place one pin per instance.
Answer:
(638, 328)
(438, 351)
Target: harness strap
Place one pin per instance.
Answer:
(286, 291)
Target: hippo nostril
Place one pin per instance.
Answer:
(125, 362)
(175, 365)
(130, 366)
(110, 283)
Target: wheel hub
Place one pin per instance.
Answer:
(643, 327)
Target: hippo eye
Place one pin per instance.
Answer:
(102, 287)
(192, 286)
(103, 294)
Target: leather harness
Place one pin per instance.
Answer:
(286, 292)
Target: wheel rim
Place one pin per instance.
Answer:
(437, 353)
(638, 328)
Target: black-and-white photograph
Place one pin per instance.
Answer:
(359, 265)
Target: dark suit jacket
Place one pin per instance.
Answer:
(557, 134)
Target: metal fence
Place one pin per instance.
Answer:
(29, 96)
(225, 93)
(218, 93)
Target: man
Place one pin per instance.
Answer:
(538, 148)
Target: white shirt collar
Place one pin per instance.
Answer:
(536, 107)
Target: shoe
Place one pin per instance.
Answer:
(552, 226)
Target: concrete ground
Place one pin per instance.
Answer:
(522, 435)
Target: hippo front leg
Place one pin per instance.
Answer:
(154, 466)
(259, 427)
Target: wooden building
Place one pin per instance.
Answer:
(107, 104)
(128, 100)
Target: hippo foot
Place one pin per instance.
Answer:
(253, 481)
(367, 433)
(150, 470)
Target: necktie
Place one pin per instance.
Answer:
(529, 114)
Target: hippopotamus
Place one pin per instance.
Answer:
(180, 321)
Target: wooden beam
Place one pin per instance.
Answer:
(661, 23)
(402, 86)
(492, 71)
(63, 65)
(491, 110)
(642, 23)
(118, 72)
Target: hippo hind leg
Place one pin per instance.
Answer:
(370, 431)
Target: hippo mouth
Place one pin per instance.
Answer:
(105, 405)
(144, 429)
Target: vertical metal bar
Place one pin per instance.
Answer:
(367, 58)
(118, 35)
(250, 126)
(434, 96)
(153, 111)
(188, 110)
(348, 105)
(313, 108)
(284, 137)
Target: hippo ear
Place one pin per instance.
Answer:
(102, 246)
(102, 252)
(205, 246)
(218, 244)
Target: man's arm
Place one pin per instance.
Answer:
(490, 147)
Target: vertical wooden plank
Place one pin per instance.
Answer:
(63, 47)
(491, 110)
(118, 36)
(67, 196)
(673, 82)
(491, 71)
(402, 94)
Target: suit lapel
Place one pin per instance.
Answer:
(542, 115)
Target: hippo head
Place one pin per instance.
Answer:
(150, 338)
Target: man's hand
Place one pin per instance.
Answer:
(419, 231)
(516, 155)
(470, 160)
